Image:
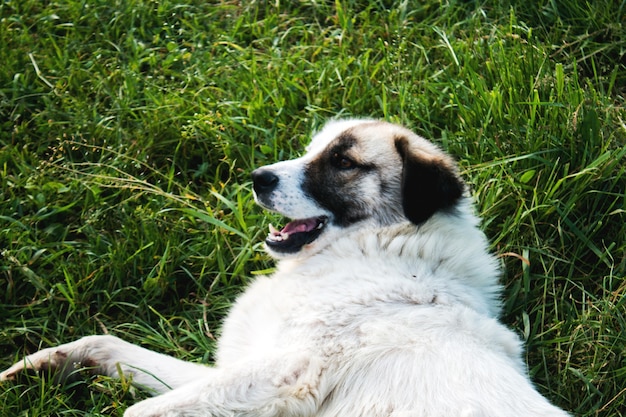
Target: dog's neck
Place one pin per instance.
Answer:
(406, 248)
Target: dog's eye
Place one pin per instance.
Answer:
(342, 162)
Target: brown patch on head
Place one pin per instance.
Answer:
(333, 179)
(382, 171)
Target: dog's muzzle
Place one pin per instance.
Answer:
(295, 234)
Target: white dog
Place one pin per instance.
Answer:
(384, 301)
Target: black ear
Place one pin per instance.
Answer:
(428, 184)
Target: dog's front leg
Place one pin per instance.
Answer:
(108, 355)
(292, 385)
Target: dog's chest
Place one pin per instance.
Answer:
(259, 320)
(316, 312)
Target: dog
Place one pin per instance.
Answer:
(384, 301)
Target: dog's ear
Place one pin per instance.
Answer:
(429, 183)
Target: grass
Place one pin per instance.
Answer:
(129, 129)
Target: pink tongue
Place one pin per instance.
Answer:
(298, 226)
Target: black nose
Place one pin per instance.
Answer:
(264, 180)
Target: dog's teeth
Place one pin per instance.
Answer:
(279, 237)
(276, 235)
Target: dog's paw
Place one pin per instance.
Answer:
(46, 360)
(156, 407)
(191, 400)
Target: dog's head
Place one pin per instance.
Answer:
(355, 172)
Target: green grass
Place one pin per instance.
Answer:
(128, 130)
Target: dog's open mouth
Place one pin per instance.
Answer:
(295, 234)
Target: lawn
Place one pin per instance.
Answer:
(128, 130)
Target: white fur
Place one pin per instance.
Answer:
(372, 319)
